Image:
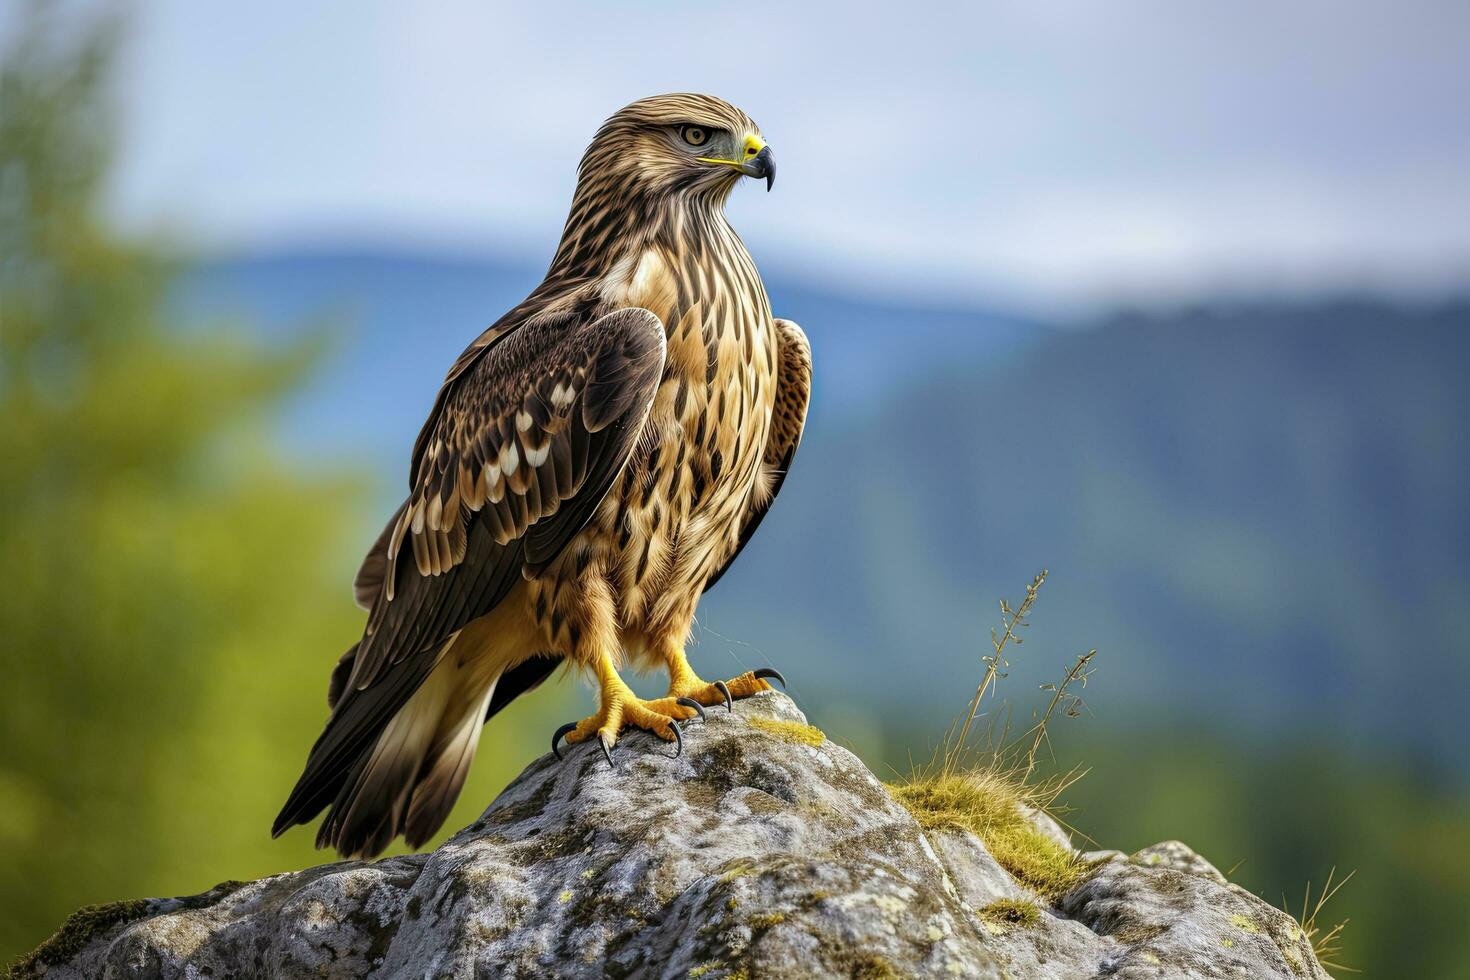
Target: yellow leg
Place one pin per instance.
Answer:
(620, 708)
(685, 683)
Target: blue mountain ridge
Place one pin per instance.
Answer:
(1257, 512)
(403, 317)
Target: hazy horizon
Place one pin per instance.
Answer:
(1050, 157)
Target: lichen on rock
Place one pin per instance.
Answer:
(763, 851)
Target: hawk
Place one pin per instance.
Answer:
(594, 461)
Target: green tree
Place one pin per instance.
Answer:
(172, 588)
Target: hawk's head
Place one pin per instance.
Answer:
(678, 144)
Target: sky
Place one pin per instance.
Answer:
(1043, 150)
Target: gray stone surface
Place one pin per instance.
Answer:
(1178, 856)
(752, 855)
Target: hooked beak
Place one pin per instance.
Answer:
(755, 161)
(762, 165)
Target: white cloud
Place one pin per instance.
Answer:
(1046, 149)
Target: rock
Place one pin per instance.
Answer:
(764, 851)
(1173, 854)
(1170, 922)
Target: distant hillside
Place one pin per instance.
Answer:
(1260, 515)
(406, 316)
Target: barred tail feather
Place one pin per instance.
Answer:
(407, 778)
(445, 767)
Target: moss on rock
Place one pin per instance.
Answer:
(793, 732)
(76, 932)
(748, 856)
(1010, 913)
(767, 920)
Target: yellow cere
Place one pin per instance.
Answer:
(753, 145)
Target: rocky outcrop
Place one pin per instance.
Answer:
(763, 851)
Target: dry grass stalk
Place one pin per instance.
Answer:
(995, 664)
(992, 796)
(1071, 704)
(1326, 942)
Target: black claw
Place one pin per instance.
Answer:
(725, 690)
(691, 703)
(556, 737)
(606, 752)
(772, 673)
(678, 739)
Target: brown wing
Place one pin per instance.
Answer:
(788, 419)
(467, 359)
(374, 569)
(524, 450)
(526, 444)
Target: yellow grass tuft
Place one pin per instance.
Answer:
(990, 805)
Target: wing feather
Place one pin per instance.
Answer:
(788, 419)
(558, 395)
(497, 430)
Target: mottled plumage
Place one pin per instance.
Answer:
(593, 462)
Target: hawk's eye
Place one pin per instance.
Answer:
(694, 135)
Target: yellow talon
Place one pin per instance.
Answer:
(621, 709)
(685, 683)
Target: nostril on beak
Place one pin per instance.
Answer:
(761, 165)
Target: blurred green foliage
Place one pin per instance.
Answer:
(175, 590)
(1281, 815)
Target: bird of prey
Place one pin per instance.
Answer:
(594, 462)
